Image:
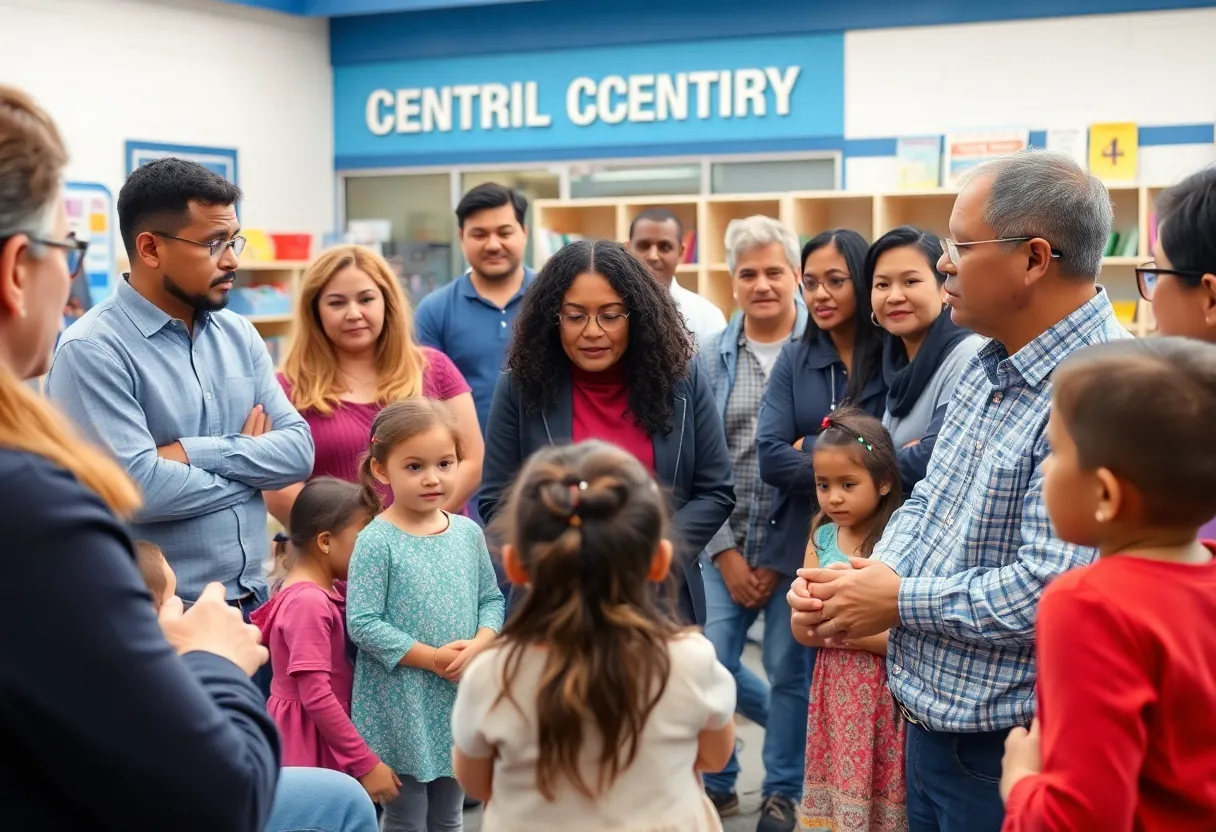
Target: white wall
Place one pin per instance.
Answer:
(1151, 68)
(196, 72)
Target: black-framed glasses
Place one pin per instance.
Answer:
(950, 247)
(579, 321)
(1147, 274)
(215, 247)
(73, 249)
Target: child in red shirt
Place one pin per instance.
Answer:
(1126, 646)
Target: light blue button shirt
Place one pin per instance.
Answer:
(133, 379)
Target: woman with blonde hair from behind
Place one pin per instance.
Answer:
(353, 352)
(162, 715)
(594, 709)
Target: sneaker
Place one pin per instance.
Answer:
(777, 814)
(727, 803)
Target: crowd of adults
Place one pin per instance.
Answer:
(118, 720)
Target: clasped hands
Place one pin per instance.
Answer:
(450, 660)
(749, 587)
(845, 601)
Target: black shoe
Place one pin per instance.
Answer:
(471, 802)
(777, 814)
(727, 803)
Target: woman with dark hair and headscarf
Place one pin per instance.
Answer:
(601, 352)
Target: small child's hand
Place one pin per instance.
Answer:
(381, 784)
(1022, 757)
(444, 658)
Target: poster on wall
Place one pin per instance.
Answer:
(966, 149)
(1071, 141)
(920, 162)
(90, 211)
(1113, 151)
(220, 160)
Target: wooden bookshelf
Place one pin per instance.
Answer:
(808, 213)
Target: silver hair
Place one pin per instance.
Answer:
(757, 231)
(1042, 193)
(17, 218)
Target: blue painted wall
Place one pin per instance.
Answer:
(563, 24)
(815, 103)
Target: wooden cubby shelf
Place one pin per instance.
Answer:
(809, 213)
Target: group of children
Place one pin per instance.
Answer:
(592, 709)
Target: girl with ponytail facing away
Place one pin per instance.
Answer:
(422, 601)
(594, 710)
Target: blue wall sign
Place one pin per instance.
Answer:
(672, 94)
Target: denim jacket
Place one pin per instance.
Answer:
(719, 358)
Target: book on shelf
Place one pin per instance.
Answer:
(690, 248)
(550, 242)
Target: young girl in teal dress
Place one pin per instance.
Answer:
(855, 737)
(422, 600)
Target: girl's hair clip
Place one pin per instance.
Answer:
(281, 538)
(865, 444)
(826, 423)
(575, 489)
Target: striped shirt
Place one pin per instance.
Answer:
(973, 544)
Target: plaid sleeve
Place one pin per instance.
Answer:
(994, 605)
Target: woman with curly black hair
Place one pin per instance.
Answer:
(601, 352)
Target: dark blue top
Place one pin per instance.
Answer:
(102, 725)
(807, 383)
(691, 462)
(471, 331)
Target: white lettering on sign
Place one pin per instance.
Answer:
(613, 99)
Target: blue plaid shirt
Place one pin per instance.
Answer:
(973, 544)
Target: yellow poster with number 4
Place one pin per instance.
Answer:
(1114, 151)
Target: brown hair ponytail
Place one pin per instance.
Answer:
(586, 521)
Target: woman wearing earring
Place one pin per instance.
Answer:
(928, 351)
(352, 354)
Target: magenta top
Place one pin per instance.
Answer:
(304, 627)
(342, 437)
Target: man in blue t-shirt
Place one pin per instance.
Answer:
(470, 319)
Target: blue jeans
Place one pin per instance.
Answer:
(778, 705)
(320, 800)
(953, 780)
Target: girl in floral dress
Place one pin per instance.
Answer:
(422, 600)
(855, 736)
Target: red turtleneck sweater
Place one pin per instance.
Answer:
(601, 411)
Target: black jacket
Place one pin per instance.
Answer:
(691, 461)
(102, 725)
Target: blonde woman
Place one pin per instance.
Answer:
(353, 353)
(164, 715)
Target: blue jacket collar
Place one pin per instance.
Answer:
(728, 343)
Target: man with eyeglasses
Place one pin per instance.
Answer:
(182, 392)
(1180, 282)
(960, 569)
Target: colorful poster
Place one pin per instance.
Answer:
(966, 149)
(920, 163)
(1071, 141)
(90, 210)
(1114, 151)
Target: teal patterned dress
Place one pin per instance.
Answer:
(405, 589)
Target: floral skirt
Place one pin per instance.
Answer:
(854, 747)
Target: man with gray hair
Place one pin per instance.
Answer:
(960, 569)
(762, 255)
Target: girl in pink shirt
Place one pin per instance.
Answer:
(304, 626)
